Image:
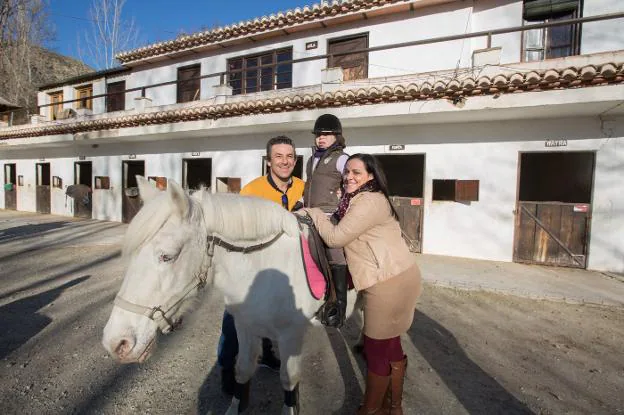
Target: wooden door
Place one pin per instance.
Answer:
(552, 233)
(83, 200)
(130, 200)
(43, 187)
(10, 187)
(410, 211)
(354, 65)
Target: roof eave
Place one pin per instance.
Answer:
(132, 58)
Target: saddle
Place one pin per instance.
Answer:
(316, 248)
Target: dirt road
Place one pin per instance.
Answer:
(470, 352)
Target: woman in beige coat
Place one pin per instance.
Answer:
(383, 268)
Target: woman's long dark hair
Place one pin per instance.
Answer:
(373, 167)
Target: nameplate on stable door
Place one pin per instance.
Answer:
(556, 143)
(396, 147)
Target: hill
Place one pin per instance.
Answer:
(19, 83)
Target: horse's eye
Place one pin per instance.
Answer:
(166, 258)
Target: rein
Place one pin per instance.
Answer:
(161, 314)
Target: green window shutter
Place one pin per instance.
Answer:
(546, 9)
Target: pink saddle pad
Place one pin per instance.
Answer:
(316, 281)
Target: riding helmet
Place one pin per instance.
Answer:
(327, 123)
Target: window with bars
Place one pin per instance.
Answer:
(84, 94)
(116, 100)
(56, 99)
(551, 42)
(189, 83)
(264, 72)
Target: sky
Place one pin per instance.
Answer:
(159, 20)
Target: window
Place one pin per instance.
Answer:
(56, 99)
(354, 65)
(264, 72)
(102, 182)
(551, 42)
(116, 101)
(159, 181)
(189, 83)
(456, 190)
(84, 94)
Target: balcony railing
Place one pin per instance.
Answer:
(488, 34)
(18, 116)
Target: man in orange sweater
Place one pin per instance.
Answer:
(280, 186)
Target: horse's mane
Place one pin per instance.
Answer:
(245, 218)
(234, 217)
(151, 218)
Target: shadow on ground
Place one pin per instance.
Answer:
(476, 390)
(21, 319)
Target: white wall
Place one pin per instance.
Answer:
(26, 194)
(498, 14)
(606, 35)
(423, 23)
(486, 151)
(489, 152)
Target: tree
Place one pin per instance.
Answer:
(109, 34)
(23, 29)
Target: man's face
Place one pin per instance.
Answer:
(282, 162)
(324, 140)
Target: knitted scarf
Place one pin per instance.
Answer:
(343, 205)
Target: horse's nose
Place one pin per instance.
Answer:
(121, 347)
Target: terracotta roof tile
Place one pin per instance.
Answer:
(348, 94)
(316, 12)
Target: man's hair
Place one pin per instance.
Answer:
(280, 139)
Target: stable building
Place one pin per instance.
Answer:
(497, 122)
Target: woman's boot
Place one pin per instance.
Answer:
(335, 312)
(393, 400)
(376, 387)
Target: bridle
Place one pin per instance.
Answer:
(161, 314)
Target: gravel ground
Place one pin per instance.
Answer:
(470, 352)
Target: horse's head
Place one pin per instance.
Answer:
(167, 262)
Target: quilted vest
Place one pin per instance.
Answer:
(323, 183)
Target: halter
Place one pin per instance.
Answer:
(161, 314)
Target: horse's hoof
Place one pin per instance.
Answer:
(233, 409)
(290, 410)
(358, 348)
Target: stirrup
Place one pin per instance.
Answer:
(331, 315)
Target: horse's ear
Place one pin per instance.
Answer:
(178, 197)
(147, 191)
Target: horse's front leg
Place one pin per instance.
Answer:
(249, 347)
(290, 348)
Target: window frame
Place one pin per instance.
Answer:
(116, 97)
(258, 68)
(575, 46)
(347, 38)
(87, 101)
(56, 106)
(455, 190)
(191, 83)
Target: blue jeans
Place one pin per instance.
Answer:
(228, 343)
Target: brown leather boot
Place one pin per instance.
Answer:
(376, 387)
(393, 400)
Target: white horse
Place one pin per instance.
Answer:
(244, 246)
